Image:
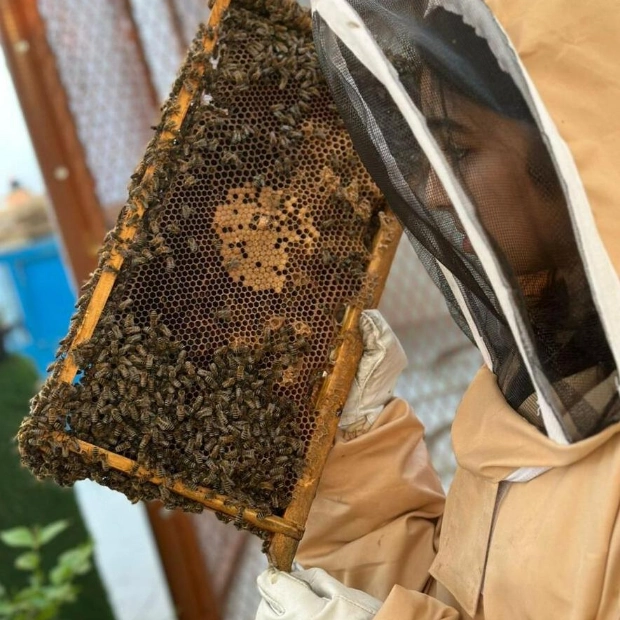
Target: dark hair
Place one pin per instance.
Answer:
(463, 61)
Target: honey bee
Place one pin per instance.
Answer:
(94, 414)
(197, 403)
(227, 485)
(186, 381)
(230, 158)
(164, 424)
(122, 447)
(144, 441)
(232, 264)
(258, 181)
(223, 314)
(327, 224)
(111, 269)
(229, 382)
(328, 258)
(210, 381)
(123, 305)
(237, 136)
(162, 250)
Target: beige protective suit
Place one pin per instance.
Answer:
(545, 548)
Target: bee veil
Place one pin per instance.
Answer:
(450, 123)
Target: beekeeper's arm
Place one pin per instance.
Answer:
(372, 523)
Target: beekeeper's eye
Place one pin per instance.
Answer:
(455, 152)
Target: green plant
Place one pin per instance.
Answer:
(5, 330)
(47, 592)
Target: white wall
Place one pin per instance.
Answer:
(125, 554)
(17, 158)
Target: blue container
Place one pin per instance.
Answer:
(36, 298)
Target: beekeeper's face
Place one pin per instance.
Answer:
(508, 175)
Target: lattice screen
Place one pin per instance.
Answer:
(117, 60)
(108, 91)
(163, 38)
(442, 361)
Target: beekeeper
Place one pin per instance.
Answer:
(493, 131)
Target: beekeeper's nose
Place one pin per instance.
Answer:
(435, 196)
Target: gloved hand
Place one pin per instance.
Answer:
(381, 364)
(311, 595)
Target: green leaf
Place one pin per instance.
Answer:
(49, 614)
(31, 598)
(78, 559)
(52, 530)
(25, 594)
(6, 609)
(27, 561)
(65, 593)
(18, 537)
(60, 574)
(71, 563)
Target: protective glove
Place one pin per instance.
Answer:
(381, 364)
(311, 595)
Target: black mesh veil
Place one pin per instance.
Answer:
(449, 137)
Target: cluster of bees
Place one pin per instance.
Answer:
(222, 427)
(203, 365)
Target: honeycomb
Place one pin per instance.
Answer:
(250, 238)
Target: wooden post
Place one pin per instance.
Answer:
(187, 574)
(61, 156)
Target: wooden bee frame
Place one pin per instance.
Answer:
(43, 436)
